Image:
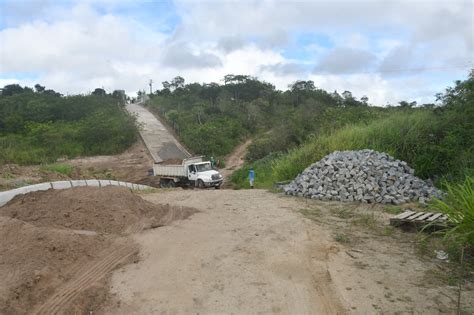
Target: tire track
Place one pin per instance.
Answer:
(94, 272)
(136, 227)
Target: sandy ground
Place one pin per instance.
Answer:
(58, 247)
(254, 252)
(246, 253)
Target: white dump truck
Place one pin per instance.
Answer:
(191, 172)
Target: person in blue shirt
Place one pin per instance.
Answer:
(251, 177)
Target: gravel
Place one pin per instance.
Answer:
(366, 176)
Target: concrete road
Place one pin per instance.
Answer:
(161, 143)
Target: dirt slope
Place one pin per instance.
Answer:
(58, 247)
(235, 159)
(131, 166)
(33, 260)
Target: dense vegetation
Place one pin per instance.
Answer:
(295, 128)
(42, 125)
(437, 141)
(212, 119)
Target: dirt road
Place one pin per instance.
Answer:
(233, 251)
(235, 159)
(253, 252)
(246, 252)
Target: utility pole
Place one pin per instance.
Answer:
(151, 85)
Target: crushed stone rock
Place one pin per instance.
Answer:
(366, 176)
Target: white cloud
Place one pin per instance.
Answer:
(80, 51)
(398, 57)
(345, 60)
(76, 49)
(284, 69)
(181, 56)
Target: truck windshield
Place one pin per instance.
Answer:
(203, 167)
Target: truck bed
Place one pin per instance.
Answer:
(175, 170)
(169, 170)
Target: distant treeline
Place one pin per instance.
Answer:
(212, 118)
(41, 125)
(294, 128)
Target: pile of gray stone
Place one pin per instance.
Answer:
(366, 176)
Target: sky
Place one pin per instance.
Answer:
(386, 50)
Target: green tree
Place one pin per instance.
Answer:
(99, 92)
(11, 89)
(39, 88)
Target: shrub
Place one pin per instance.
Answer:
(458, 205)
(38, 128)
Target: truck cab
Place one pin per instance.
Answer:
(203, 175)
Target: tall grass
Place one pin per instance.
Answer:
(419, 137)
(458, 205)
(409, 136)
(263, 174)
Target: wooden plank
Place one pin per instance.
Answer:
(424, 216)
(443, 218)
(414, 216)
(403, 215)
(434, 217)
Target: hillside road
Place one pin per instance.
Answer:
(159, 141)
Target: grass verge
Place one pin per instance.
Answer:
(58, 168)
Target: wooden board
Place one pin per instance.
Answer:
(419, 218)
(424, 216)
(434, 217)
(403, 215)
(414, 216)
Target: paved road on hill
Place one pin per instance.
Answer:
(159, 141)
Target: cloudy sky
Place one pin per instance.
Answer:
(387, 50)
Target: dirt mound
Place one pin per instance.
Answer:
(34, 260)
(104, 210)
(54, 255)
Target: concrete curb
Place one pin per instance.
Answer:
(6, 196)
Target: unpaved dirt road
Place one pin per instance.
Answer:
(254, 252)
(245, 252)
(235, 159)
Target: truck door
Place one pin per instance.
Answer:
(192, 174)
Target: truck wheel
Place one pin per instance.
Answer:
(171, 183)
(217, 187)
(200, 183)
(163, 183)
